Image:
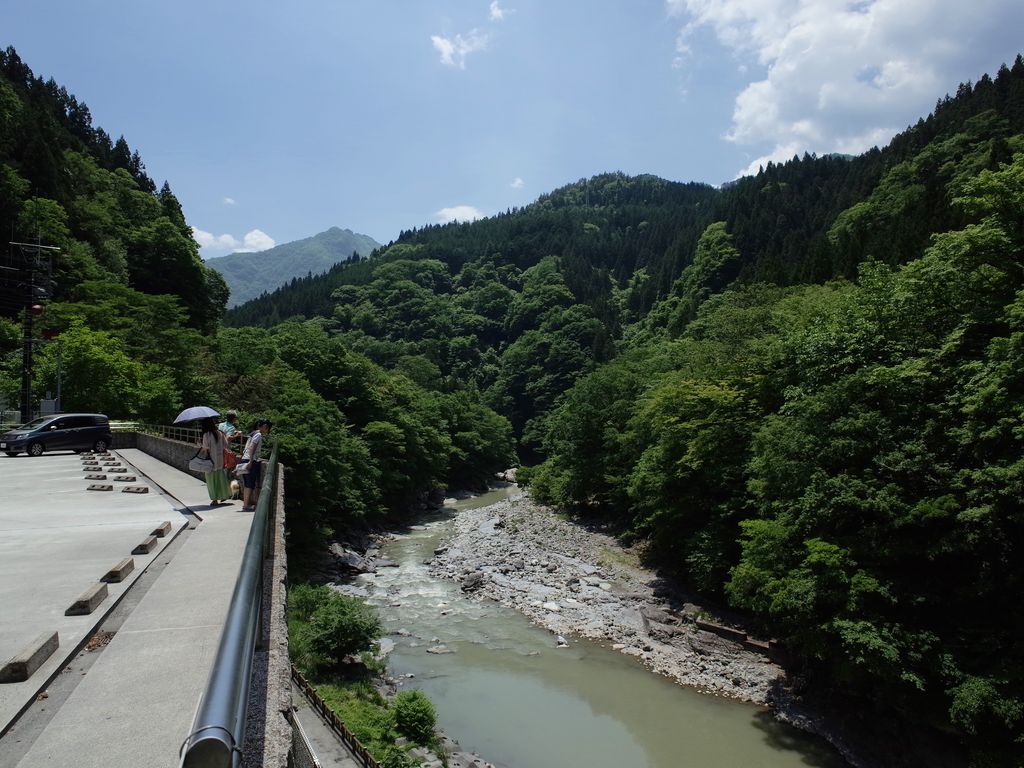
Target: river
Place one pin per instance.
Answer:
(509, 694)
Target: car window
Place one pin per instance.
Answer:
(80, 421)
(36, 423)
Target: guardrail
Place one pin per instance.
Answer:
(361, 753)
(219, 727)
(181, 434)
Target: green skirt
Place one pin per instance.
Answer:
(217, 485)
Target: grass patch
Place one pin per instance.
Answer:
(615, 556)
(363, 710)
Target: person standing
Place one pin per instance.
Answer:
(214, 443)
(250, 468)
(230, 427)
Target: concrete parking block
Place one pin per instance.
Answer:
(162, 530)
(20, 667)
(125, 478)
(119, 572)
(148, 545)
(135, 489)
(95, 477)
(88, 601)
(100, 487)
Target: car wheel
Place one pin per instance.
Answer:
(11, 453)
(100, 446)
(35, 449)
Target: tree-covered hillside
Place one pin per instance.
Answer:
(800, 393)
(844, 460)
(64, 183)
(249, 275)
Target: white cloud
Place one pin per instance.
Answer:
(256, 240)
(455, 50)
(844, 75)
(215, 242)
(253, 240)
(517, 183)
(458, 213)
(779, 154)
(230, 201)
(498, 13)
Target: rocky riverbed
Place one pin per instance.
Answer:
(572, 580)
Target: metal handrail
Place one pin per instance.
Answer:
(190, 435)
(181, 434)
(219, 727)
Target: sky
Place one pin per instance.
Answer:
(275, 121)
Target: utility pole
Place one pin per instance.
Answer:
(26, 361)
(30, 274)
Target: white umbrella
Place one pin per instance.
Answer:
(195, 413)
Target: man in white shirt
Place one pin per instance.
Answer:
(250, 468)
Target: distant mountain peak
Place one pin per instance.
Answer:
(248, 274)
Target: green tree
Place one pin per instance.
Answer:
(99, 376)
(330, 626)
(415, 716)
(395, 757)
(716, 263)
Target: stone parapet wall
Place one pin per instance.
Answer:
(268, 730)
(173, 453)
(124, 439)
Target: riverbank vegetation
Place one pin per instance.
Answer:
(331, 639)
(801, 390)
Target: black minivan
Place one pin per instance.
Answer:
(61, 432)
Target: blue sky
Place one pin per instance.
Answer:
(275, 121)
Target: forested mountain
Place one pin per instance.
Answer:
(250, 274)
(802, 393)
(64, 183)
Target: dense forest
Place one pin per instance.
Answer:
(800, 394)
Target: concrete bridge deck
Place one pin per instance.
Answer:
(131, 699)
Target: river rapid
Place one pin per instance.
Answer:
(523, 697)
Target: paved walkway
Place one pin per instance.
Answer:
(328, 748)
(137, 702)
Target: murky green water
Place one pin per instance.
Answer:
(510, 695)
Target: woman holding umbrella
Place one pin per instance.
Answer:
(214, 443)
